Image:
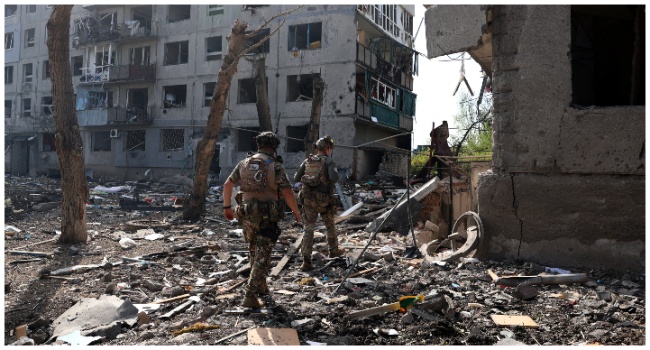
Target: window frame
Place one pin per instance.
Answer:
(28, 78)
(215, 10)
(46, 105)
(11, 42)
(9, 77)
(94, 135)
(185, 44)
(46, 70)
(26, 112)
(207, 94)
(28, 7)
(9, 108)
(30, 43)
(306, 27)
(209, 54)
(139, 147)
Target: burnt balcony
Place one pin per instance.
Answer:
(388, 71)
(118, 74)
(114, 116)
(91, 31)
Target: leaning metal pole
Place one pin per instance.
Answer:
(372, 237)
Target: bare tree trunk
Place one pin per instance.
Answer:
(195, 207)
(263, 111)
(69, 145)
(314, 121)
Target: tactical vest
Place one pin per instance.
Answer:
(254, 172)
(315, 171)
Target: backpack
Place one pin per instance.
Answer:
(253, 174)
(314, 171)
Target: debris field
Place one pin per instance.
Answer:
(145, 277)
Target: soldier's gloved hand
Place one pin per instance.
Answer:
(228, 213)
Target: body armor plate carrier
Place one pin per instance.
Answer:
(254, 173)
(315, 171)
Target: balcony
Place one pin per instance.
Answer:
(388, 71)
(117, 74)
(114, 116)
(384, 115)
(90, 32)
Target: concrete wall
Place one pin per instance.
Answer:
(567, 186)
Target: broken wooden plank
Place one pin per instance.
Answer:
(226, 290)
(21, 252)
(356, 274)
(510, 320)
(24, 261)
(180, 308)
(244, 311)
(164, 301)
(374, 311)
(285, 259)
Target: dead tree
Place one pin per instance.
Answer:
(69, 145)
(314, 120)
(195, 206)
(263, 111)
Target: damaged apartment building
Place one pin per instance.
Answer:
(567, 184)
(143, 77)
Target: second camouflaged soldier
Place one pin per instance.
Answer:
(318, 175)
(262, 179)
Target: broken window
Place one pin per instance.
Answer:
(213, 48)
(263, 48)
(135, 140)
(247, 91)
(136, 104)
(208, 90)
(305, 36)
(140, 55)
(27, 73)
(176, 53)
(608, 55)
(30, 35)
(30, 8)
(300, 87)
(10, 10)
(103, 59)
(246, 139)
(8, 106)
(9, 41)
(296, 138)
(101, 141)
(383, 93)
(27, 107)
(46, 69)
(49, 143)
(77, 65)
(174, 96)
(176, 13)
(99, 99)
(214, 10)
(172, 139)
(9, 74)
(46, 105)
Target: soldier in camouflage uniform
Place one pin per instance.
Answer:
(262, 179)
(318, 175)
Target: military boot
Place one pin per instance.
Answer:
(336, 252)
(264, 288)
(251, 302)
(306, 264)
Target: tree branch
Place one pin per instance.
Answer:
(256, 31)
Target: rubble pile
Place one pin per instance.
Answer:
(147, 278)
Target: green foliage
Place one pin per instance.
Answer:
(474, 130)
(418, 161)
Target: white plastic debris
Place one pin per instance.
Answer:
(127, 243)
(154, 236)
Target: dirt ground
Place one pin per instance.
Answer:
(202, 259)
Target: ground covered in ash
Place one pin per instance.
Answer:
(144, 257)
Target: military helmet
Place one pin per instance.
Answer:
(267, 139)
(323, 142)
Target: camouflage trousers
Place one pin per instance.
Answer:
(260, 246)
(313, 204)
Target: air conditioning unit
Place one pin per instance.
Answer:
(114, 133)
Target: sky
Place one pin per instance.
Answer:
(435, 83)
